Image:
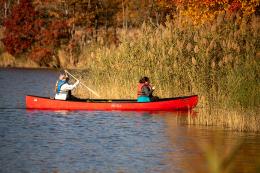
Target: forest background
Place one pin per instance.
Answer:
(204, 47)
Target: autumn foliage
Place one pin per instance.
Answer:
(47, 40)
(32, 31)
(200, 11)
(203, 10)
(20, 32)
(39, 28)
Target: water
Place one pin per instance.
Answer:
(96, 141)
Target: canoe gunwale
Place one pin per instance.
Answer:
(115, 100)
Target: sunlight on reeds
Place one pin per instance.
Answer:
(218, 61)
(234, 120)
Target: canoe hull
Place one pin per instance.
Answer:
(168, 104)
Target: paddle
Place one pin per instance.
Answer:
(83, 84)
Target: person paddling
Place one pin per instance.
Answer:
(145, 91)
(63, 88)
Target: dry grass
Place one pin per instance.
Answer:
(235, 120)
(219, 61)
(7, 60)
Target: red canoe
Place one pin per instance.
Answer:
(163, 104)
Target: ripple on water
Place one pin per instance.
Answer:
(85, 141)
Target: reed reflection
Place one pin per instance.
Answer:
(200, 149)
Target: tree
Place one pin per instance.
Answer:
(5, 7)
(203, 10)
(52, 31)
(19, 32)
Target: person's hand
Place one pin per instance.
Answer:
(77, 82)
(153, 88)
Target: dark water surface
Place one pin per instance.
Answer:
(96, 141)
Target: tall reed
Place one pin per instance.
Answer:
(239, 120)
(218, 60)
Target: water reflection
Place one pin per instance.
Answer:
(194, 146)
(95, 141)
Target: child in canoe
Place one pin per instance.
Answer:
(145, 91)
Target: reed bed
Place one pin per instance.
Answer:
(248, 121)
(218, 60)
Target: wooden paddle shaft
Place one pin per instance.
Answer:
(83, 84)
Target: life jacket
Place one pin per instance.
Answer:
(140, 87)
(59, 85)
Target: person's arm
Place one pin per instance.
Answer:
(67, 87)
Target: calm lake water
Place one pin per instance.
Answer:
(104, 142)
